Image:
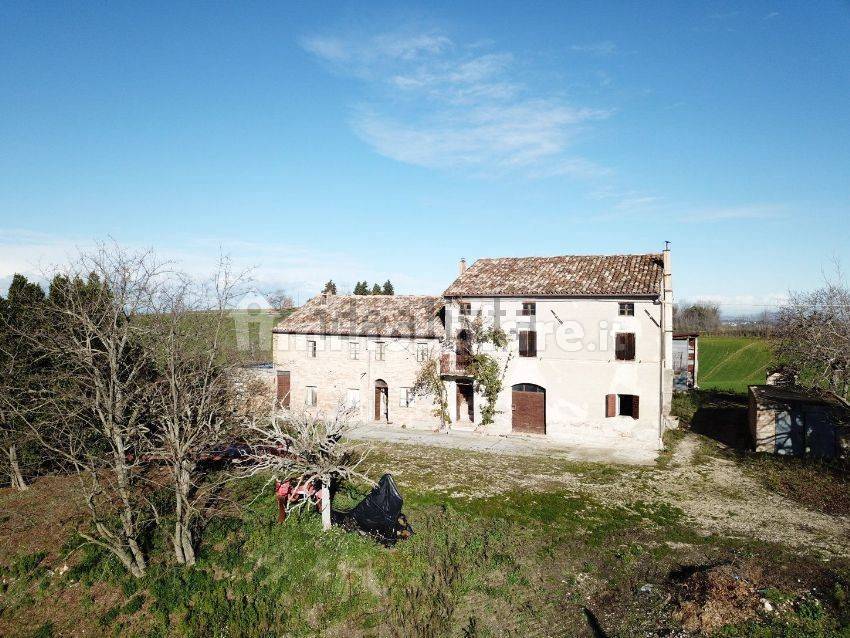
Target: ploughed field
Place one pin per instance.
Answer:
(733, 363)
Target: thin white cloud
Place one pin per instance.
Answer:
(605, 47)
(299, 270)
(633, 204)
(752, 211)
(441, 105)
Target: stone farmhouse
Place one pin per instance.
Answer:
(589, 356)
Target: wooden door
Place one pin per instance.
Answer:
(381, 402)
(283, 386)
(529, 409)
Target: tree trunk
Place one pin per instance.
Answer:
(127, 513)
(326, 506)
(17, 478)
(183, 547)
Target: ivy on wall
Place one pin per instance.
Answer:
(487, 374)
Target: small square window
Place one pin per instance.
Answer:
(529, 309)
(380, 350)
(311, 395)
(628, 405)
(405, 397)
(353, 350)
(311, 349)
(627, 310)
(421, 352)
(465, 308)
(622, 405)
(352, 397)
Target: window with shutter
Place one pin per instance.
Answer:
(622, 405)
(610, 405)
(625, 346)
(527, 343)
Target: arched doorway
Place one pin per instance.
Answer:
(528, 408)
(382, 403)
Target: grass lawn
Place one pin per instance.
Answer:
(732, 363)
(503, 546)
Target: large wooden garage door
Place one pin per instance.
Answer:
(529, 408)
(283, 389)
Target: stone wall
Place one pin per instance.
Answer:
(334, 372)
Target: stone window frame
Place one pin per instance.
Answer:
(353, 350)
(311, 348)
(626, 309)
(405, 397)
(380, 351)
(311, 395)
(348, 393)
(421, 352)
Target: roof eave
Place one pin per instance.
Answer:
(643, 295)
(336, 333)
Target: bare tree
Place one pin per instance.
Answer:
(280, 300)
(100, 393)
(195, 404)
(305, 448)
(702, 316)
(814, 331)
(11, 436)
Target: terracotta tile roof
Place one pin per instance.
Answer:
(368, 315)
(568, 275)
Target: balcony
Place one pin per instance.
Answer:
(455, 365)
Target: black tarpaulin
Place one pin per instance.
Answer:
(379, 514)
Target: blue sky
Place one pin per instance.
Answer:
(384, 141)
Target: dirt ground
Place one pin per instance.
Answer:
(713, 491)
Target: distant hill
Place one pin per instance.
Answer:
(733, 363)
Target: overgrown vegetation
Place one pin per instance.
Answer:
(518, 562)
(429, 382)
(487, 371)
(822, 485)
(814, 336)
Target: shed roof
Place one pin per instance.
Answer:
(368, 315)
(563, 276)
(773, 394)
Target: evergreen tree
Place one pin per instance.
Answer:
(361, 288)
(376, 289)
(21, 314)
(388, 288)
(330, 288)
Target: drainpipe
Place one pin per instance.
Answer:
(666, 333)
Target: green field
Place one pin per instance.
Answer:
(732, 363)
